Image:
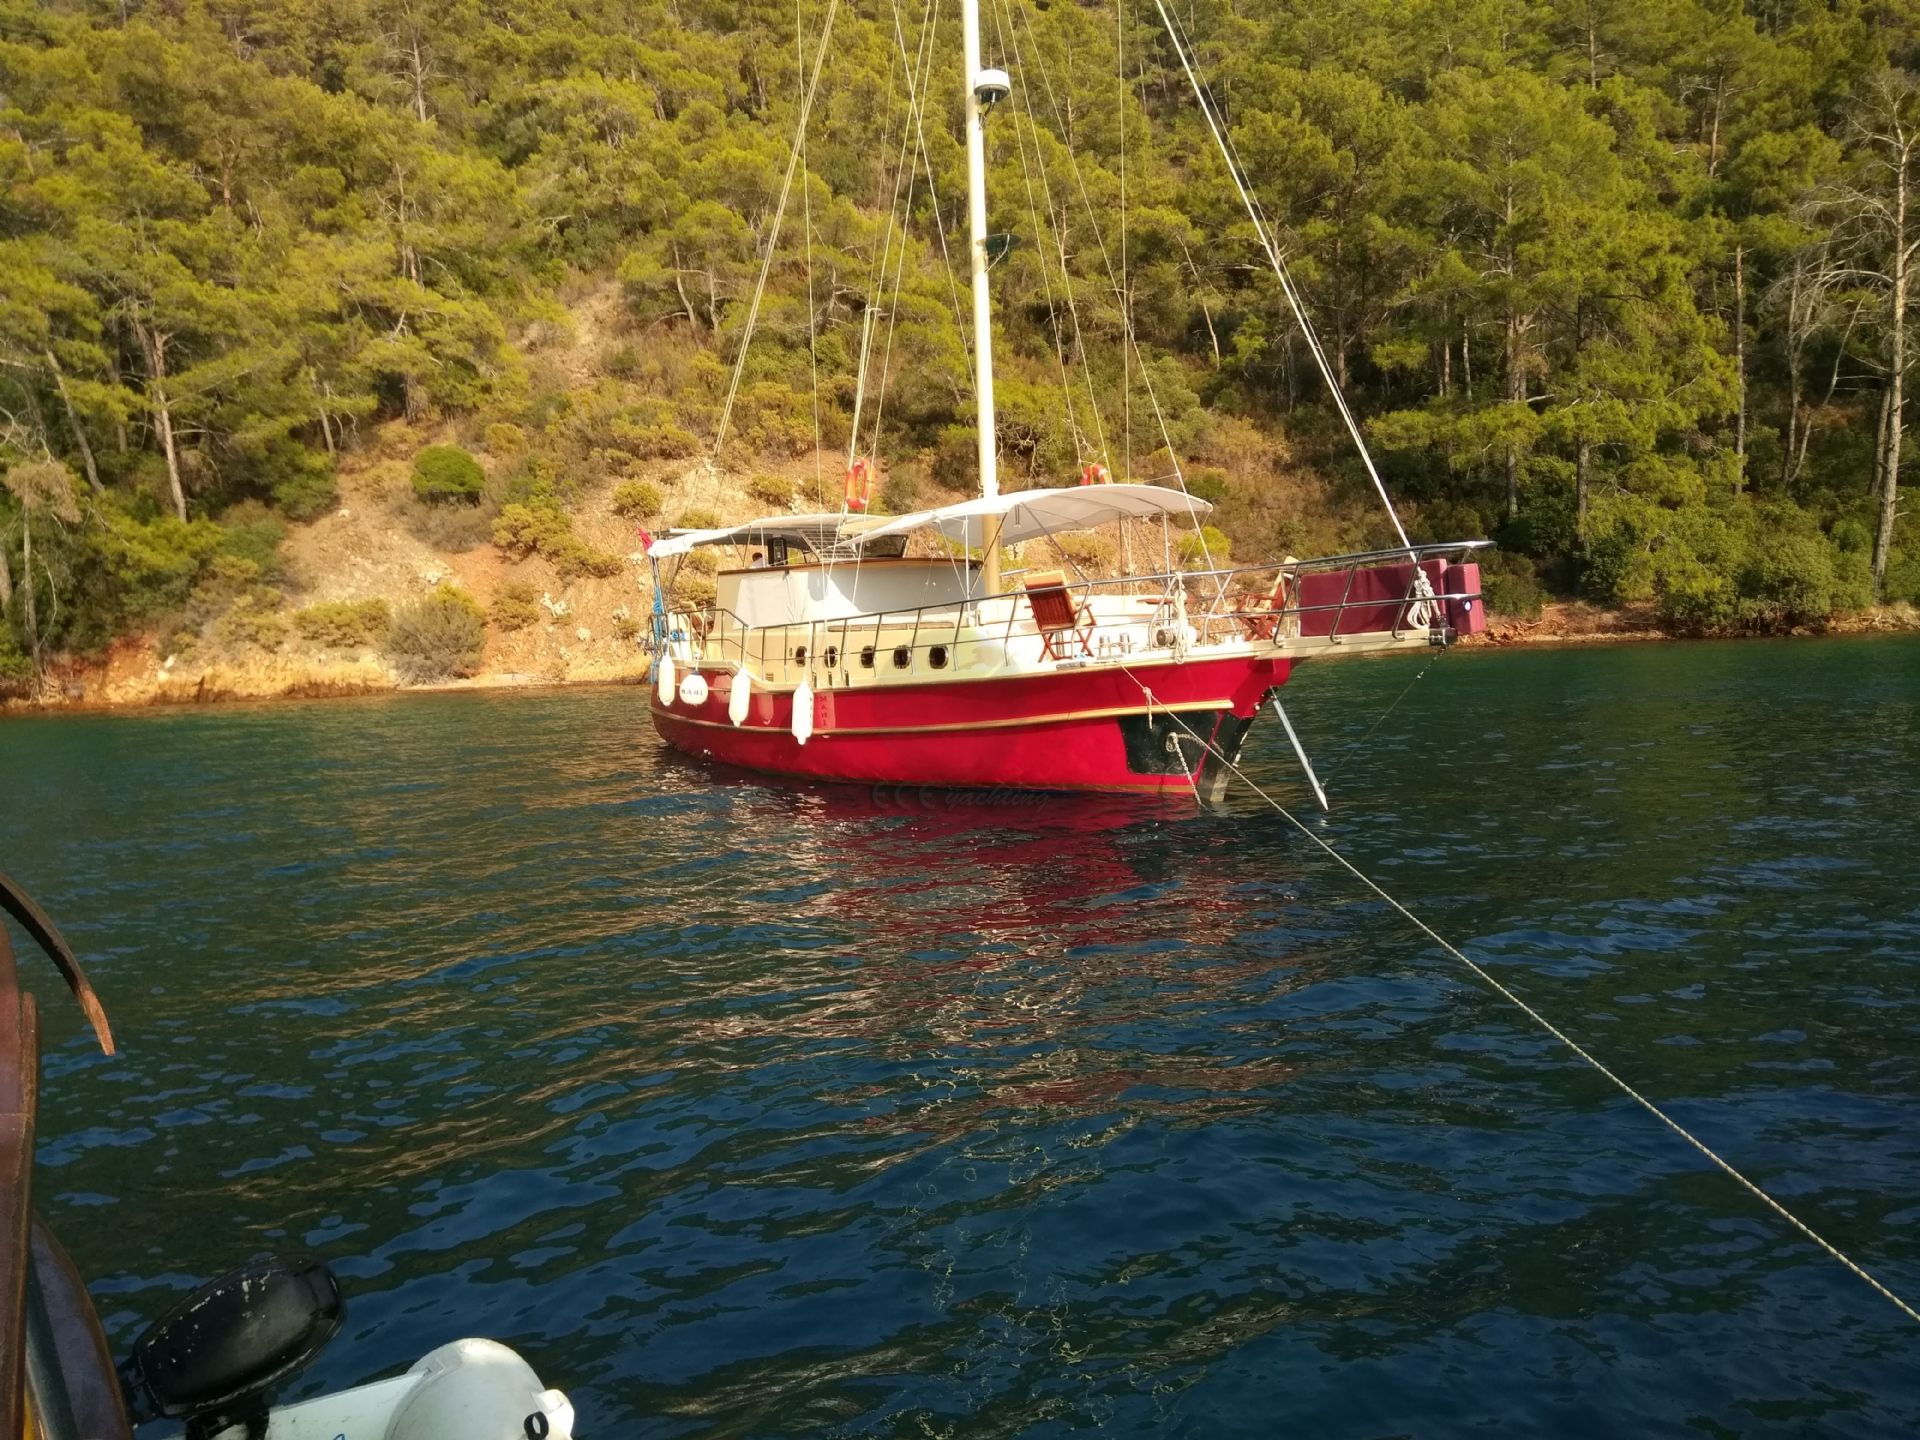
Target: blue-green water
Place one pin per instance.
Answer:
(747, 1109)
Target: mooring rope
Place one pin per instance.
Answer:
(1752, 1187)
(1355, 746)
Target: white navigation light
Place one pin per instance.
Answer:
(990, 87)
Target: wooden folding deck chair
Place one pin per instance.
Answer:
(1264, 624)
(1062, 624)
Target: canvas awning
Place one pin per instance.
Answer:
(1027, 514)
(817, 532)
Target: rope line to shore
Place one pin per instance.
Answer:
(1752, 1187)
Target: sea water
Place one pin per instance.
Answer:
(745, 1108)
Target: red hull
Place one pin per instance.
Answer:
(1092, 728)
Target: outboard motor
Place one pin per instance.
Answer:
(215, 1360)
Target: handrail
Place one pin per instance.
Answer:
(719, 632)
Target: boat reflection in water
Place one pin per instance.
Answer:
(1016, 943)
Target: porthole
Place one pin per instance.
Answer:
(799, 654)
(937, 657)
(830, 656)
(866, 658)
(902, 657)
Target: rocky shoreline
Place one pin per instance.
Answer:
(128, 679)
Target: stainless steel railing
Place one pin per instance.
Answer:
(1191, 609)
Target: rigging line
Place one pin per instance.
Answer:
(1126, 297)
(1040, 252)
(1126, 320)
(1294, 300)
(1055, 218)
(806, 201)
(933, 194)
(877, 275)
(900, 268)
(773, 236)
(1625, 1087)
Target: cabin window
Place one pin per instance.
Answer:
(902, 657)
(799, 654)
(830, 656)
(937, 657)
(866, 658)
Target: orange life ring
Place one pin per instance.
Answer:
(1094, 474)
(859, 485)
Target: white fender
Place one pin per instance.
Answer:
(803, 712)
(693, 689)
(666, 680)
(740, 697)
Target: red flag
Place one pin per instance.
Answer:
(646, 539)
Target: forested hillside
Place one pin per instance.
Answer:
(1623, 283)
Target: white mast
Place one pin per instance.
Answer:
(984, 89)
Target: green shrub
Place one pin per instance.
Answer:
(1618, 569)
(505, 438)
(302, 485)
(1850, 535)
(662, 440)
(1695, 597)
(1511, 585)
(697, 518)
(900, 493)
(628, 627)
(692, 590)
(636, 499)
(253, 532)
(515, 606)
(149, 566)
(1787, 580)
(1852, 580)
(955, 461)
(1903, 577)
(775, 491)
(255, 619)
(342, 624)
(1207, 484)
(1545, 525)
(576, 558)
(225, 576)
(1088, 549)
(16, 668)
(437, 637)
(775, 420)
(704, 561)
(446, 472)
(523, 530)
(1196, 547)
(534, 481)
